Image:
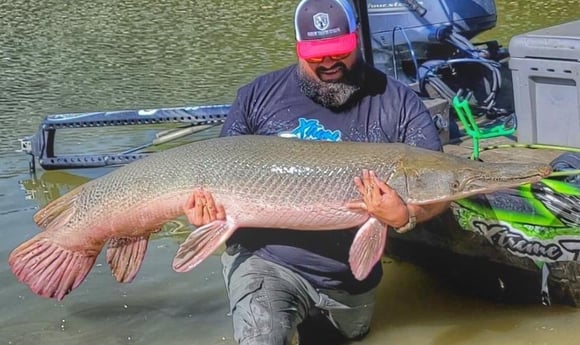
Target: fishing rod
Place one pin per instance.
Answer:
(563, 173)
(170, 135)
(531, 146)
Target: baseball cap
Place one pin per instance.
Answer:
(324, 28)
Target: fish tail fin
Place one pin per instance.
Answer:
(367, 248)
(125, 256)
(48, 269)
(201, 243)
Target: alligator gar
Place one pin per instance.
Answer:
(262, 181)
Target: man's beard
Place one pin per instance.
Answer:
(335, 94)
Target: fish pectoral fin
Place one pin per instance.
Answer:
(201, 243)
(125, 255)
(367, 247)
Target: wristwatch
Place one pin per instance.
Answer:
(410, 224)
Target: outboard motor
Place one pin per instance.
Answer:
(428, 42)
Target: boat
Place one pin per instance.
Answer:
(521, 244)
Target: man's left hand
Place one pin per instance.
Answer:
(380, 200)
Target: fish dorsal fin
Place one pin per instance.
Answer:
(367, 247)
(57, 212)
(201, 243)
(125, 255)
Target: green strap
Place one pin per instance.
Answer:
(463, 111)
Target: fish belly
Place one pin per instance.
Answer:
(312, 217)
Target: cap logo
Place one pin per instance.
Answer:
(321, 21)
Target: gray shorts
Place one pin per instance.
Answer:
(268, 302)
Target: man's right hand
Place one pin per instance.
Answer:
(201, 209)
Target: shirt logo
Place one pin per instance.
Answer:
(321, 21)
(311, 129)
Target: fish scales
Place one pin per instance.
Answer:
(249, 167)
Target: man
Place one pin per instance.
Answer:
(275, 279)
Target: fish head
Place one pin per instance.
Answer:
(447, 183)
(491, 177)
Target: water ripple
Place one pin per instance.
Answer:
(57, 56)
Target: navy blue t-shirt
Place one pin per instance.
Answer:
(273, 104)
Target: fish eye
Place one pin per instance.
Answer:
(455, 185)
